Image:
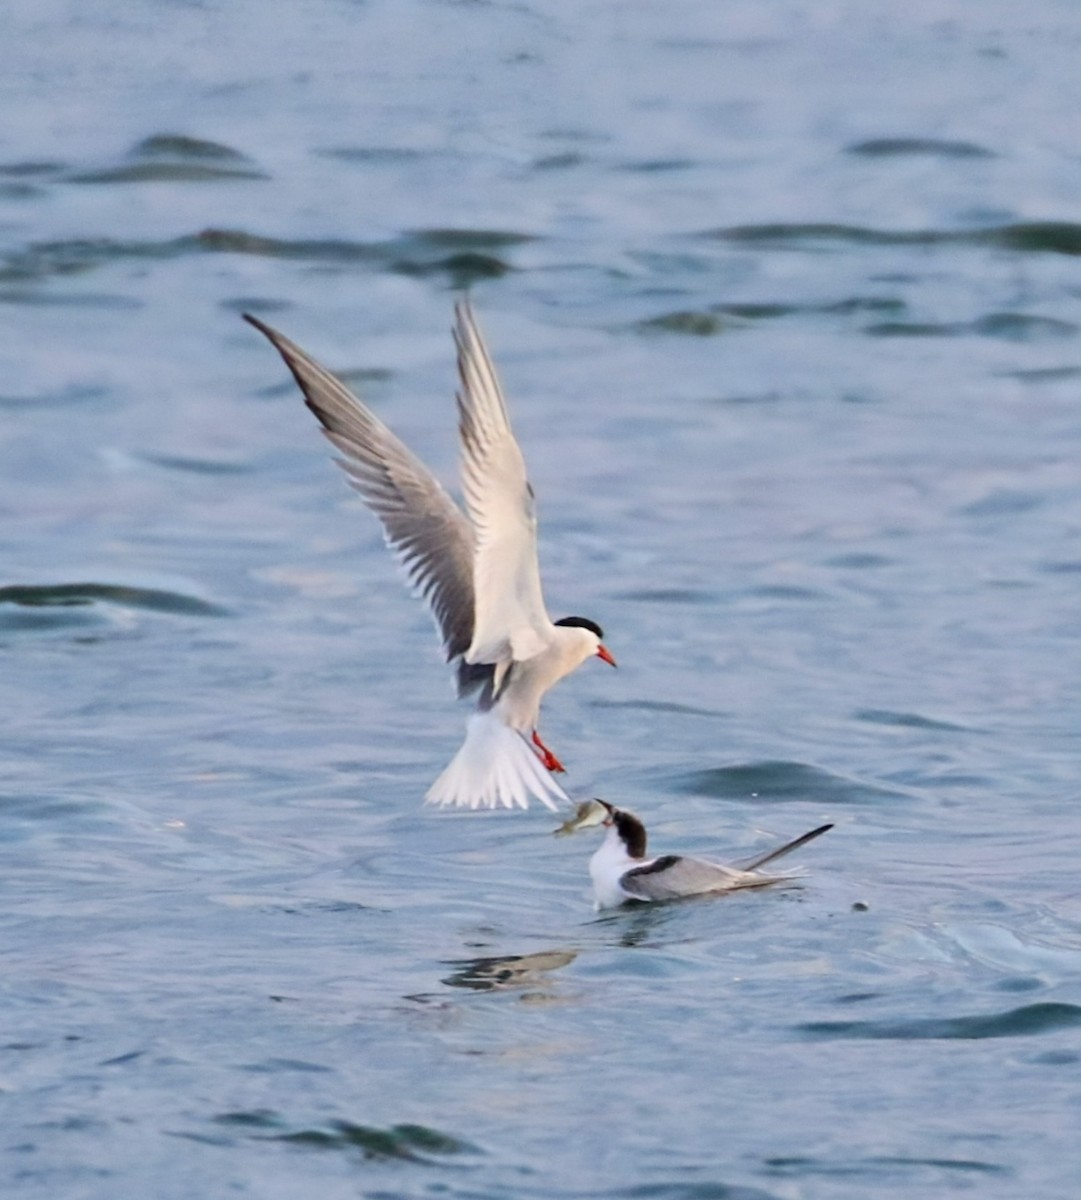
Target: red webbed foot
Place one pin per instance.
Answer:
(547, 757)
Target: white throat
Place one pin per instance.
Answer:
(567, 648)
(607, 867)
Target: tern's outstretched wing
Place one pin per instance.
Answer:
(510, 616)
(423, 525)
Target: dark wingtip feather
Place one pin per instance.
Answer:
(472, 676)
(772, 855)
(256, 322)
(294, 358)
(268, 331)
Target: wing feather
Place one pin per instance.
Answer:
(760, 860)
(510, 615)
(672, 876)
(423, 526)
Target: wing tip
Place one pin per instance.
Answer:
(268, 331)
(463, 309)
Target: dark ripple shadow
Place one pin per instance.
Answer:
(314, 908)
(32, 169)
(859, 560)
(785, 591)
(196, 466)
(917, 147)
(174, 158)
(1041, 374)
(722, 318)
(1003, 502)
(36, 621)
(73, 394)
(377, 156)
(77, 595)
(1001, 326)
(1017, 1022)
(1022, 327)
(660, 706)
(19, 191)
(26, 180)
(34, 806)
(668, 596)
(1048, 237)
(693, 322)
(464, 255)
(165, 172)
(272, 1066)
(93, 300)
(181, 146)
(565, 161)
(656, 166)
(462, 270)
(703, 1190)
(404, 1143)
(779, 781)
(907, 720)
(942, 779)
(46, 260)
(796, 1167)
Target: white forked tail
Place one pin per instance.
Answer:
(495, 768)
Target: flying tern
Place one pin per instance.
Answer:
(477, 569)
(621, 872)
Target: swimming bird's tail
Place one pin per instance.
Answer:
(772, 855)
(495, 768)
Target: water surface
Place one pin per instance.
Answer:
(786, 299)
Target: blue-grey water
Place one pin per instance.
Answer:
(787, 299)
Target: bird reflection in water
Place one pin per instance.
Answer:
(509, 971)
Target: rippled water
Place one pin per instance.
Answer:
(787, 300)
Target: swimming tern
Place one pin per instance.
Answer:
(477, 569)
(621, 872)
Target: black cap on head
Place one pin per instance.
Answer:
(582, 623)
